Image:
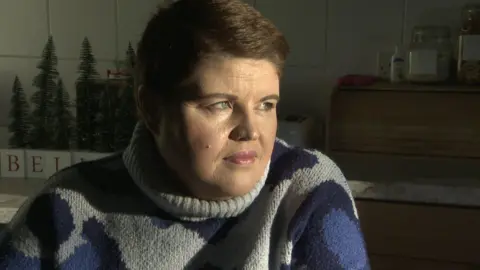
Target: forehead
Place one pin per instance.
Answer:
(238, 76)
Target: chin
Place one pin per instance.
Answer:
(230, 182)
(237, 186)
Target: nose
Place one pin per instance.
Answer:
(246, 129)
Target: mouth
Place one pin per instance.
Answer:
(242, 158)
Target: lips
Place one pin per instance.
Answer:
(242, 158)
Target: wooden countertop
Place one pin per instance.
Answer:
(386, 86)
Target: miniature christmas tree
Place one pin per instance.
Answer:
(63, 128)
(19, 113)
(105, 122)
(125, 116)
(41, 133)
(130, 59)
(86, 100)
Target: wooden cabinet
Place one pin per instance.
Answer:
(406, 120)
(410, 236)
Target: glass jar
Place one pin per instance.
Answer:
(470, 19)
(429, 55)
(468, 62)
(445, 55)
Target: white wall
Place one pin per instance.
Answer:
(331, 38)
(328, 38)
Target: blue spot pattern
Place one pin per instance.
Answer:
(342, 236)
(278, 150)
(325, 232)
(12, 259)
(84, 257)
(162, 223)
(50, 220)
(287, 162)
(101, 249)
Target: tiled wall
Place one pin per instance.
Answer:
(328, 37)
(331, 38)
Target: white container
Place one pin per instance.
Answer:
(429, 55)
(297, 130)
(397, 67)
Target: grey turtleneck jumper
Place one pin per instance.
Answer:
(128, 212)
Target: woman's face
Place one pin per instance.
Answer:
(220, 138)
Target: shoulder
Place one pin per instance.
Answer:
(96, 181)
(105, 176)
(323, 224)
(71, 195)
(89, 170)
(89, 179)
(309, 180)
(306, 171)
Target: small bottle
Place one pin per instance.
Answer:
(397, 66)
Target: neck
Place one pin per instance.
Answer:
(151, 173)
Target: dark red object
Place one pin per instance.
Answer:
(356, 80)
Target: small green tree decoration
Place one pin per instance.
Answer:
(125, 118)
(41, 133)
(19, 125)
(86, 98)
(126, 111)
(130, 59)
(63, 123)
(105, 121)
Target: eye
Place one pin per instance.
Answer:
(223, 105)
(267, 106)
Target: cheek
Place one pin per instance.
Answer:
(268, 132)
(206, 138)
(268, 128)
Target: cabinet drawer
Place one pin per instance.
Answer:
(435, 233)
(406, 122)
(379, 262)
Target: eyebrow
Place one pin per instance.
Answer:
(219, 96)
(234, 97)
(269, 97)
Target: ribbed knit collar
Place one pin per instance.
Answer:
(151, 173)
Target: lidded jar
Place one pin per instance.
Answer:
(468, 62)
(429, 55)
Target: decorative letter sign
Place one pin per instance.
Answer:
(13, 163)
(35, 164)
(56, 161)
(19, 163)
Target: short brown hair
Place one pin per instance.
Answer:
(179, 36)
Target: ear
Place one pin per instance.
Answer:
(148, 106)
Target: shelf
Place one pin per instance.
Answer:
(385, 86)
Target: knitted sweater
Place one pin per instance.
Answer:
(127, 212)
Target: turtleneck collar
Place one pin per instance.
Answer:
(151, 173)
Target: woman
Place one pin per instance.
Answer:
(204, 184)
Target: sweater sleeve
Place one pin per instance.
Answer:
(32, 237)
(325, 230)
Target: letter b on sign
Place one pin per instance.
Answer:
(13, 163)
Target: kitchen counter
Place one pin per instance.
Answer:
(449, 181)
(415, 192)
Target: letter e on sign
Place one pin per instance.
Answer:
(35, 163)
